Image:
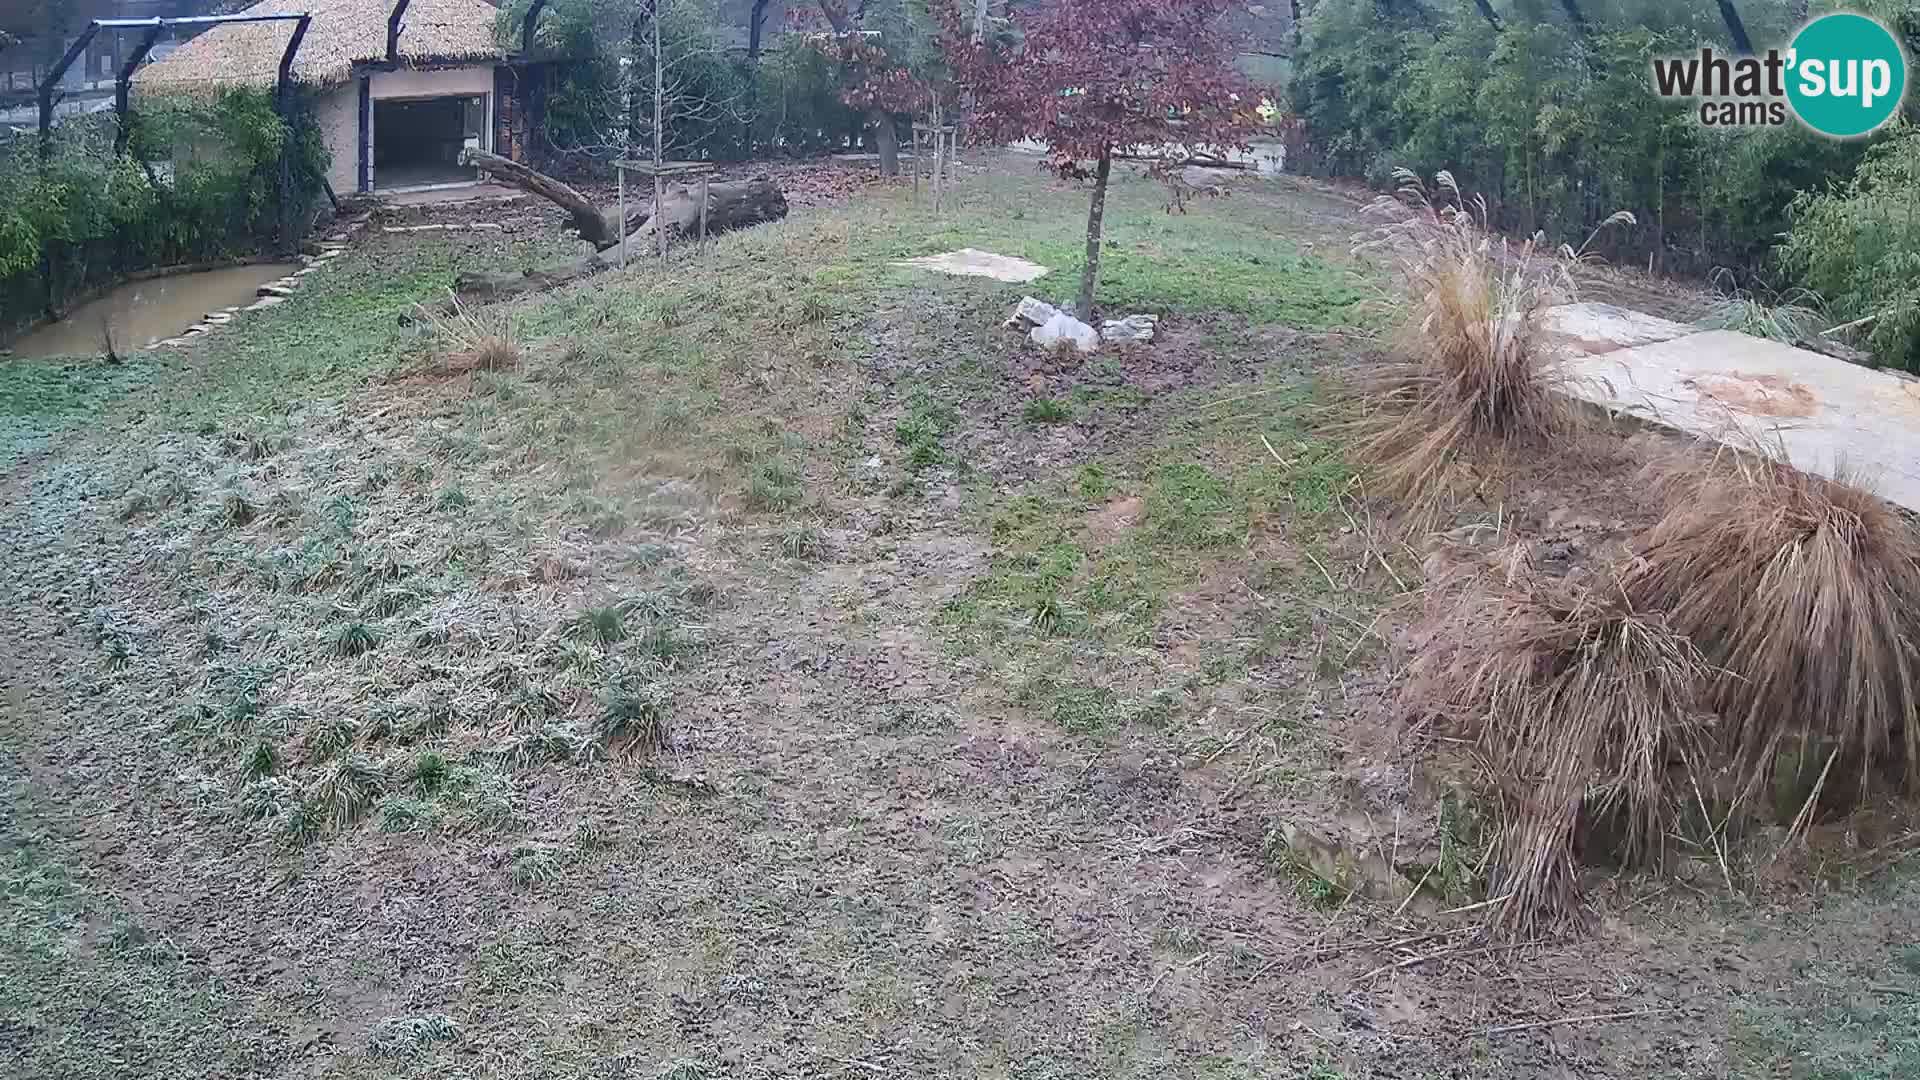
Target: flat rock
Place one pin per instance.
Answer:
(1819, 414)
(1031, 312)
(971, 262)
(1132, 330)
(1590, 329)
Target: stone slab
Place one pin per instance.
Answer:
(971, 262)
(1821, 414)
(1589, 329)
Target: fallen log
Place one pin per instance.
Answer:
(732, 204)
(483, 286)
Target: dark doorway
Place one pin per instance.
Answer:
(417, 142)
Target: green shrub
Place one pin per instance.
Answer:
(1858, 246)
(202, 180)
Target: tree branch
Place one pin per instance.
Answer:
(1736, 29)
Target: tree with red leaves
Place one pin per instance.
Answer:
(1096, 78)
(872, 44)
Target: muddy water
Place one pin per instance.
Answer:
(143, 312)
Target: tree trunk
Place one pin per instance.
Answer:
(735, 204)
(488, 286)
(593, 224)
(659, 131)
(1295, 27)
(1575, 16)
(886, 140)
(1096, 216)
(1486, 12)
(756, 22)
(1736, 29)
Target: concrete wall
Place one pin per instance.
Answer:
(466, 82)
(338, 112)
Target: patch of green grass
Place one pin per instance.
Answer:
(1047, 411)
(355, 639)
(1188, 505)
(346, 791)
(605, 624)
(1314, 888)
(452, 499)
(1076, 708)
(633, 718)
(142, 1006)
(535, 864)
(261, 761)
(773, 485)
(410, 1036)
(429, 772)
(923, 430)
(1092, 482)
(1204, 262)
(803, 542)
(1830, 1025)
(39, 398)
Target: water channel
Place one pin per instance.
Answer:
(141, 313)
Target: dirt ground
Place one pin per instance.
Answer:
(1022, 717)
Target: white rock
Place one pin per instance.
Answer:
(1132, 330)
(1031, 312)
(1063, 331)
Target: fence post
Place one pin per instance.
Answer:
(54, 75)
(123, 87)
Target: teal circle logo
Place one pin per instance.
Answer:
(1846, 75)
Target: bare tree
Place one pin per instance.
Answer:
(1485, 7)
(665, 75)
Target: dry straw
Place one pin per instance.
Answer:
(343, 33)
(1472, 375)
(1805, 593)
(1584, 716)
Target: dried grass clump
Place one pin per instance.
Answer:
(473, 339)
(1473, 373)
(1806, 593)
(1582, 713)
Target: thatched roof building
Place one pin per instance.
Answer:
(343, 33)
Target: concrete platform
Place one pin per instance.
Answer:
(971, 262)
(1821, 414)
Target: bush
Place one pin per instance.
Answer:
(1805, 595)
(1583, 715)
(1557, 128)
(1858, 245)
(1473, 373)
(201, 181)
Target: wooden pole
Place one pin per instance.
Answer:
(704, 181)
(659, 134)
(620, 168)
